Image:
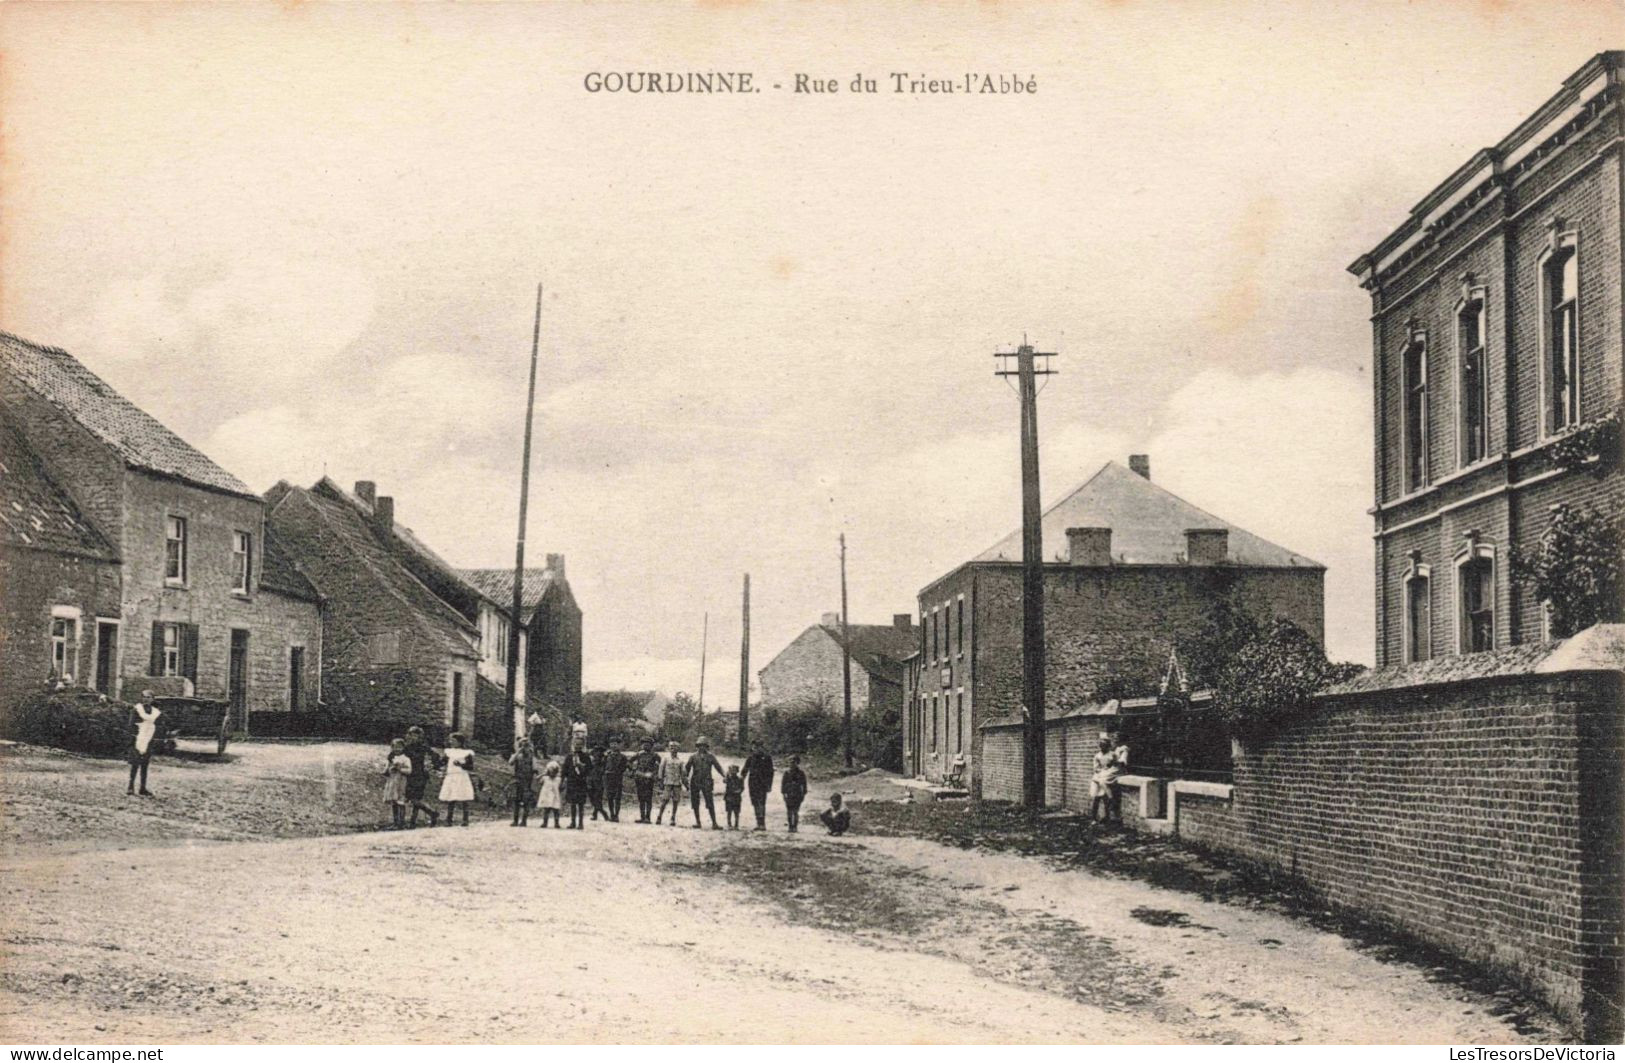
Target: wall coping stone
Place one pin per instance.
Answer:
(1596, 649)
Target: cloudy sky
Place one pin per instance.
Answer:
(308, 238)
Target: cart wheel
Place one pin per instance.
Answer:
(225, 736)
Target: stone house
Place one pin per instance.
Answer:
(1496, 332)
(550, 637)
(189, 584)
(809, 670)
(1131, 572)
(401, 641)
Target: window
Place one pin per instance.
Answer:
(242, 560)
(502, 639)
(934, 654)
(171, 650)
(1560, 282)
(959, 713)
(933, 723)
(961, 621)
(1415, 443)
(1418, 618)
(1474, 384)
(175, 550)
(1476, 579)
(64, 646)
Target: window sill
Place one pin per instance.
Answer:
(176, 585)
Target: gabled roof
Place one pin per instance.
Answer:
(279, 573)
(878, 649)
(345, 530)
(34, 512)
(130, 432)
(434, 571)
(1148, 525)
(497, 585)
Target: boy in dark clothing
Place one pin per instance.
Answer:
(417, 784)
(595, 783)
(759, 777)
(733, 789)
(645, 769)
(794, 788)
(698, 774)
(577, 775)
(836, 818)
(524, 781)
(615, 764)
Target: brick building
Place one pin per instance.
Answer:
(1131, 572)
(148, 559)
(809, 670)
(1497, 325)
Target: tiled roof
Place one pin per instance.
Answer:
(278, 572)
(346, 531)
(879, 649)
(34, 512)
(1148, 525)
(497, 585)
(134, 435)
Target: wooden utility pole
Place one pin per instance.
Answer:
(846, 663)
(514, 705)
(744, 669)
(705, 634)
(1032, 576)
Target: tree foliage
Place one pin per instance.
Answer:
(1272, 679)
(1575, 568)
(1593, 447)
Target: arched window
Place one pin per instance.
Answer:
(1475, 593)
(1560, 334)
(1415, 442)
(1473, 383)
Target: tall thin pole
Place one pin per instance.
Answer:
(1032, 583)
(705, 634)
(519, 547)
(846, 664)
(744, 669)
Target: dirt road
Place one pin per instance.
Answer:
(643, 933)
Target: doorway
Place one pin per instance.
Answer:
(237, 678)
(107, 657)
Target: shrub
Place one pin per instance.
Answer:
(1575, 568)
(77, 720)
(1593, 447)
(1272, 679)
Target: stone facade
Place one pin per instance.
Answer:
(1466, 331)
(809, 671)
(131, 478)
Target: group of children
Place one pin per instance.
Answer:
(595, 778)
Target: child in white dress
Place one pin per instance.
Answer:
(550, 794)
(396, 769)
(458, 787)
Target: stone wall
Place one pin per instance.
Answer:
(35, 581)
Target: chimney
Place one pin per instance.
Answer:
(1141, 464)
(1207, 546)
(830, 620)
(383, 514)
(366, 490)
(903, 621)
(1089, 546)
(555, 564)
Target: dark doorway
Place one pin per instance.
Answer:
(456, 701)
(296, 679)
(106, 657)
(237, 678)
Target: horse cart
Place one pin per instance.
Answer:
(187, 717)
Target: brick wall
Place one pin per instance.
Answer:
(1001, 762)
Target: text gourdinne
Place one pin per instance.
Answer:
(732, 83)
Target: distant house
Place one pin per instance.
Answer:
(1130, 570)
(809, 671)
(550, 621)
(129, 556)
(401, 631)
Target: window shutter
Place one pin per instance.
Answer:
(189, 651)
(155, 666)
